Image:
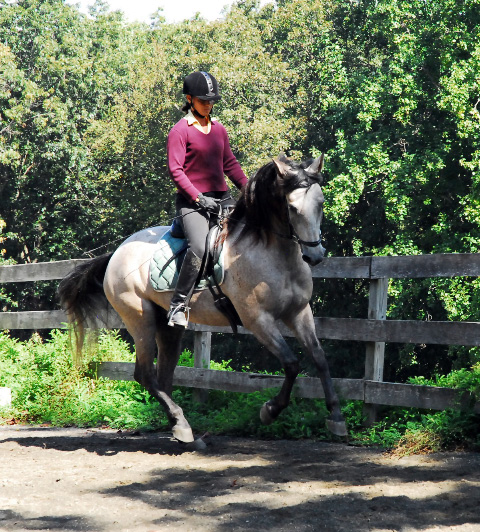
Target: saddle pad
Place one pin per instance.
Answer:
(163, 276)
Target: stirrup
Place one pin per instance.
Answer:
(176, 316)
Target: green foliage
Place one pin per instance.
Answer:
(48, 388)
(462, 379)
(409, 431)
(419, 431)
(238, 414)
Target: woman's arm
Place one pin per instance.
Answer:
(176, 149)
(231, 166)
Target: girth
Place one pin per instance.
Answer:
(213, 248)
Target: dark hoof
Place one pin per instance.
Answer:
(339, 428)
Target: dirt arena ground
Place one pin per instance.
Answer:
(101, 480)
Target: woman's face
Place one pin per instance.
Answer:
(204, 107)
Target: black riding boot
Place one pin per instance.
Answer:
(183, 292)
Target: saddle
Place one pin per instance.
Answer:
(167, 260)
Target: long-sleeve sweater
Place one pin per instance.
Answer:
(198, 162)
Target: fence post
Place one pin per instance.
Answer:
(5, 396)
(375, 351)
(202, 344)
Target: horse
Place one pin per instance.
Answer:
(270, 240)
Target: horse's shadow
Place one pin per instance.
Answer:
(100, 442)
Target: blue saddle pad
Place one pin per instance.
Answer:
(167, 261)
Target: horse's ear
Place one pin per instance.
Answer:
(281, 164)
(317, 166)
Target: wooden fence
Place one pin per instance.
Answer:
(375, 331)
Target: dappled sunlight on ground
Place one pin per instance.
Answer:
(84, 479)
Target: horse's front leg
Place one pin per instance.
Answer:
(267, 333)
(304, 328)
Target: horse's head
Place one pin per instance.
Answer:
(300, 183)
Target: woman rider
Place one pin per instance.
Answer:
(198, 157)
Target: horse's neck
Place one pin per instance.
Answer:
(281, 251)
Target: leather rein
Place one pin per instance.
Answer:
(293, 235)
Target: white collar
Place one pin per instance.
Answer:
(193, 121)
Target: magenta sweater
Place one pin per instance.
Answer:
(198, 162)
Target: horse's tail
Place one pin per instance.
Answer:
(82, 296)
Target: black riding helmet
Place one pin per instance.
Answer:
(201, 85)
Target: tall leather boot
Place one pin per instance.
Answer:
(178, 313)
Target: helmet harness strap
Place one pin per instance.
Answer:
(195, 112)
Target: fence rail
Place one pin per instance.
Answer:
(375, 331)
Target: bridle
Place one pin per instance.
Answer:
(294, 235)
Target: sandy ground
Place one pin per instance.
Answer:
(102, 480)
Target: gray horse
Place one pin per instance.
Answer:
(271, 238)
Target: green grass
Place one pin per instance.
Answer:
(48, 388)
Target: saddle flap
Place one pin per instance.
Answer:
(213, 249)
(167, 261)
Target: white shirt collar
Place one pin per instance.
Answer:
(193, 121)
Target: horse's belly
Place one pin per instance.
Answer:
(202, 308)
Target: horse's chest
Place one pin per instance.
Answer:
(298, 288)
(269, 279)
(284, 293)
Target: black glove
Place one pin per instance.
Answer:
(209, 204)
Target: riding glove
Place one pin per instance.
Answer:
(210, 204)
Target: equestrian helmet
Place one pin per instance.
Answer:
(202, 85)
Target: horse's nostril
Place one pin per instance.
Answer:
(311, 262)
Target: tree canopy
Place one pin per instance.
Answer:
(388, 89)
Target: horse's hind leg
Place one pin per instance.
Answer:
(304, 328)
(143, 328)
(169, 344)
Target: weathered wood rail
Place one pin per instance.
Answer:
(375, 331)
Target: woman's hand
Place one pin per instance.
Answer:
(209, 204)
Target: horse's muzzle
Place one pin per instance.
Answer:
(312, 259)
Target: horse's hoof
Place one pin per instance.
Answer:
(337, 427)
(183, 434)
(196, 445)
(265, 416)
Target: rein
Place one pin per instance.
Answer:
(293, 235)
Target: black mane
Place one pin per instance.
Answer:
(261, 204)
